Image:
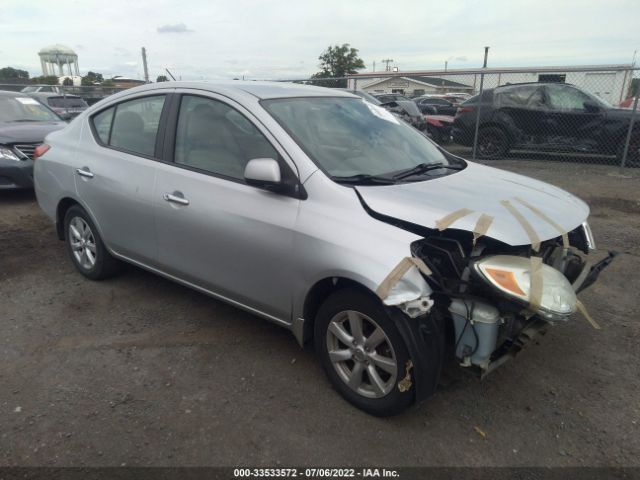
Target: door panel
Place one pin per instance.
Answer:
(231, 238)
(116, 186)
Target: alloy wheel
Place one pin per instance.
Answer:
(83, 243)
(361, 354)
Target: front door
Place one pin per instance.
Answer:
(215, 231)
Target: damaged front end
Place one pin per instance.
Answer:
(498, 297)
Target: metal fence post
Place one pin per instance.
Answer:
(475, 135)
(633, 117)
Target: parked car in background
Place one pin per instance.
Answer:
(364, 95)
(438, 105)
(439, 128)
(66, 106)
(555, 117)
(24, 123)
(326, 215)
(404, 107)
(628, 103)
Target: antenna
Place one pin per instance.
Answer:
(170, 74)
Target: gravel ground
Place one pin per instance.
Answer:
(140, 371)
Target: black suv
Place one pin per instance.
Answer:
(554, 117)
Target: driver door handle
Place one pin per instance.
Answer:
(174, 198)
(84, 172)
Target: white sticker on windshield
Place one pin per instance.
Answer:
(27, 101)
(382, 113)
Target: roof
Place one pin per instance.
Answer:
(56, 49)
(431, 81)
(261, 90)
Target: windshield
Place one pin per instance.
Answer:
(348, 137)
(25, 109)
(68, 102)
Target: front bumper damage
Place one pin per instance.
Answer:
(487, 330)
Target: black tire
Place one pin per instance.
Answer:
(493, 143)
(103, 265)
(633, 154)
(392, 401)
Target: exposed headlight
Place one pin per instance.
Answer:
(512, 276)
(7, 154)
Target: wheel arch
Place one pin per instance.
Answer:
(314, 298)
(61, 210)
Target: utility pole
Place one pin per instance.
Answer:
(144, 64)
(387, 61)
(374, 65)
(475, 136)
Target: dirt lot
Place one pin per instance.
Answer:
(140, 371)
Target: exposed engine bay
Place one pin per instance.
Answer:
(492, 314)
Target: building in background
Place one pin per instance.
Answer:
(123, 82)
(415, 85)
(58, 60)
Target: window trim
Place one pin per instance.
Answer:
(168, 151)
(114, 106)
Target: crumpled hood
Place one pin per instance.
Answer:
(28, 132)
(480, 189)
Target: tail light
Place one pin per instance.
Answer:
(464, 110)
(40, 150)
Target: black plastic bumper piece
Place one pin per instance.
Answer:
(16, 174)
(425, 340)
(592, 276)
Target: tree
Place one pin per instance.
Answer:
(162, 78)
(48, 80)
(91, 78)
(13, 75)
(108, 83)
(338, 61)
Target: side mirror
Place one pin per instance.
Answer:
(263, 173)
(591, 107)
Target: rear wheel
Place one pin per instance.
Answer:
(492, 143)
(86, 249)
(362, 352)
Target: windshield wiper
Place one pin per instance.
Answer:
(24, 120)
(364, 179)
(423, 168)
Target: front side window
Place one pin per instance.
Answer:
(216, 138)
(347, 137)
(131, 125)
(566, 98)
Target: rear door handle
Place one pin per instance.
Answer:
(175, 197)
(84, 172)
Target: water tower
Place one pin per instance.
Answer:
(65, 59)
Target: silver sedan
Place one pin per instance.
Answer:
(325, 214)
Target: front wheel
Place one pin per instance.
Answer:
(362, 353)
(633, 153)
(492, 143)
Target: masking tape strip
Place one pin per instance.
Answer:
(482, 225)
(447, 220)
(535, 290)
(585, 313)
(553, 223)
(581, 276)
(398, 272)
(533, 236)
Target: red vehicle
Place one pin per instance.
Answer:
(628, 103)
(439, 128)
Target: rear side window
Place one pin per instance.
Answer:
(132, 125)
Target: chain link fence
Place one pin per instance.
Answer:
(564, 115)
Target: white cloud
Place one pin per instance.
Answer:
(176, 28)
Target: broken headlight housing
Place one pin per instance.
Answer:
(511, 275)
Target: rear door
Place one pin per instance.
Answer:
(524, 107)
(215, 231)
(116, 170)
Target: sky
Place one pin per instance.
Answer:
(280, 39)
